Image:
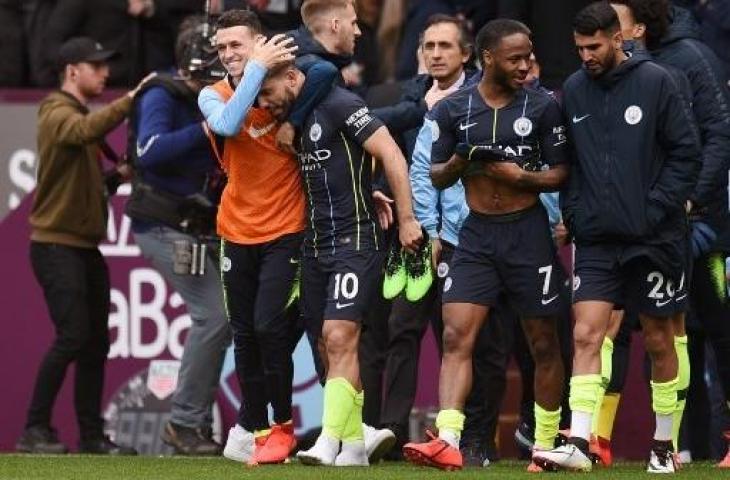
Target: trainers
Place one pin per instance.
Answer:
(104, 446)
(564, 457)
(661, 458)
(240, 445)
(434, 453)
(378, 442)
(323, 452)
(395, 272)
(189, 441)
(601, 448)
(419, 272)
(41, 440)
(525, 438)
(353, 454)
(277, 445)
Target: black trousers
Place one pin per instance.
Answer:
(75, 283)
(257, 281)
(390, 349)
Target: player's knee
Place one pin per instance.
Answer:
(587, 338)
(545, 349)
(338, 341)
(455, 340)
(658, 342)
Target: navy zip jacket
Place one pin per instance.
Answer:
(636, 158)
(682, 49)
(173, 153)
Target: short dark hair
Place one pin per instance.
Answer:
(279, 69)
(465, 39)
(494, 31)
(652, 13)
(596, 16)
(240, 18)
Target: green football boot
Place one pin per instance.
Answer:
(419, 272)
(394, 280)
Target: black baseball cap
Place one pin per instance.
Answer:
(82, 49)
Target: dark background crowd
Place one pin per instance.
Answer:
(144, 31)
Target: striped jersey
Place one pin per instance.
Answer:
(337, 175)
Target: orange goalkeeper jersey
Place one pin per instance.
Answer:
(263, 199)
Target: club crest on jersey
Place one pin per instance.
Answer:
(522, 126)
(315, 132)
(226, 264)
(442, 270)
(633, 115)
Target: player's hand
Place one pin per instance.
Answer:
(562, 235)
(436, 249)
(132, 93)
(505, 171)
(410, 235)
(277, 49)
(285, 138)
(384, 209)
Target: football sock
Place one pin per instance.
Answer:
(353, 427)
(546, 427)
(584, 391)
(450, 424)
(339, 400)
(683, 377)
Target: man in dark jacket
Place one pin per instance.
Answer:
(68, 222)
(636, 163)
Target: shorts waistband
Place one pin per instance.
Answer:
(506, 217)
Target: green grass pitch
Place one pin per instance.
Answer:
(80, 467)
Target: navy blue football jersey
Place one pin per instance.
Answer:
(530, 128)
(337, 176)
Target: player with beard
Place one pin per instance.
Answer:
(343, 251)
(510, 144)
(636, 162)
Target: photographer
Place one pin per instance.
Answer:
(173, 207)
(68, 221)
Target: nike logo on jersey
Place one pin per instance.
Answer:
(680, 298)
(340, 306)
(549, 300)
(463, 126)
(580, 119)
(659, 303)
(260, 132)
(294, 260)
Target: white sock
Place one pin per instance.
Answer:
(449, 437)
(663, 431)
(580, 424)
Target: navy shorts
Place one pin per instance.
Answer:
(512, 254)
(339, 287)
(638, 284)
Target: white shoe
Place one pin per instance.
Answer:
(240, 445)
(353, 454)
(323, 452)
(565, 457)
(661, 462)
(377, 442)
